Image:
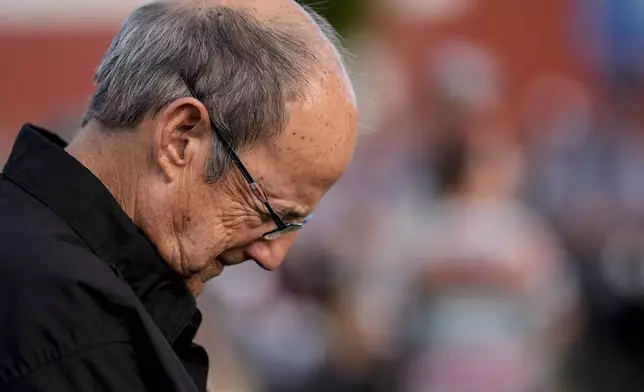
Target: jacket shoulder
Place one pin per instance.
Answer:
(57, 296)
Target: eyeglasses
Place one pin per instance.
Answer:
(283, 228)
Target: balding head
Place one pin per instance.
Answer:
(244, 59)
(187, 84)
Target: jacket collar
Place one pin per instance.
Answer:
(40, 165)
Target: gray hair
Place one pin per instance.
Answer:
(243, 71)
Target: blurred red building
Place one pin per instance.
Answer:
(50, 48)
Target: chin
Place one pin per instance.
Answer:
(197, 282)
(195, 287)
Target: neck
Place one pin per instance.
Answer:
(118, 158)
(100, 153)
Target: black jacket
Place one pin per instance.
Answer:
(86, 302)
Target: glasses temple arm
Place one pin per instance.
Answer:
(259, 193)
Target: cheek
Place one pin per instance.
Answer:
(197, 233)
(196, 213)
(203, 239)
(249, 232)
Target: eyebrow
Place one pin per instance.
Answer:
(289, 213)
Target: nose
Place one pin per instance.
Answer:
(270, 254)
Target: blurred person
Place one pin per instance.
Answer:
(490, 288)
(468, 334)
(585, 174)
(277, 323)
(346, 364)
(107, 241)
(408, 188)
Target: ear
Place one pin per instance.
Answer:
(182, 137)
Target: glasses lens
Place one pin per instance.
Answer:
(277, 233)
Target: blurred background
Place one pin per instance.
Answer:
(489, 236)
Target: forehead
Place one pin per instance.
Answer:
(318, 143)
(314, 150)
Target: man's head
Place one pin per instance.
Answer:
(184, 79)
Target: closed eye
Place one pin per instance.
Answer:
(286, 215)
(290, 214)
(292, 217)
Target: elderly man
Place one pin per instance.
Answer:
(105, 242)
